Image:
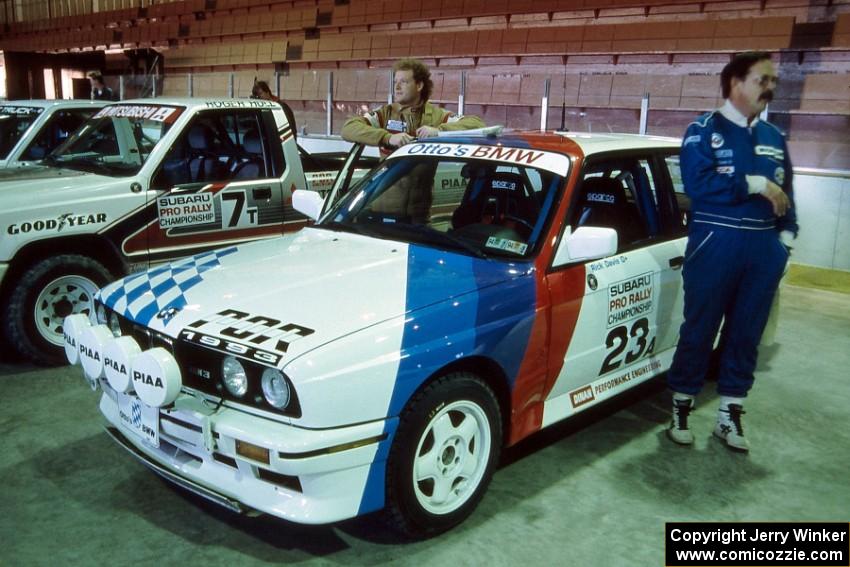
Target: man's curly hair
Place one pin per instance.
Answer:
(421, 74)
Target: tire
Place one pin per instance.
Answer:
(47, 292)
(451, 434)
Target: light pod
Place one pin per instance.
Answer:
(72, 327)
(156, 377)
(118, 356)
(91, 342)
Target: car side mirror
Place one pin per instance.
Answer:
(308, 203)
(586, 243)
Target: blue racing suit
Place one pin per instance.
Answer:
(735, 257)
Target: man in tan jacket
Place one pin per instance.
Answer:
(411, 116)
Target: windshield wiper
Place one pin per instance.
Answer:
(437, 236)
(346, 227)
(94, 164)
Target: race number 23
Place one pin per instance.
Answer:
(634, 341)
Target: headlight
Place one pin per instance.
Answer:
(114, 324)
(235, 379)
(275, 388)
(101, 315)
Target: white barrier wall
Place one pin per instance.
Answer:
(823, 212)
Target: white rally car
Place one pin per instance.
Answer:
(465, 294)
(31, 129)
(142, 182)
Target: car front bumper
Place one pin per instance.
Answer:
(311, 477)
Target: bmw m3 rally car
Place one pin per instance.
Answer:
(465, 294)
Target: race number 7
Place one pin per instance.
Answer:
(237, 208)
(620, 337)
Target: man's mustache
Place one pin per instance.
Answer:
(766, 96)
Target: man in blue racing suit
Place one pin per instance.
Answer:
(737, 173)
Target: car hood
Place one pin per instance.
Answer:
(38, 172)
(304, 289)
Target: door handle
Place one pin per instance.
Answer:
(262, 193)
(677, 262)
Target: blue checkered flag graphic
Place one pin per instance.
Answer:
(136, 413)
(141, 296)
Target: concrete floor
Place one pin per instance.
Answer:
(594, 491)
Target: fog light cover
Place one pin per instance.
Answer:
(72, 327)
(234, 376)
(118, 357)
(91, 342)
(275, 388)
(156, 377)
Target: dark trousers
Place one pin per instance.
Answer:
(731, 273)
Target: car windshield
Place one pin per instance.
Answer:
(14, 122)
(482, 207)
(117, 140)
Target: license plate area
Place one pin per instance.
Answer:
(141, 419)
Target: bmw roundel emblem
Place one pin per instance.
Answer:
(591, 282)
(167, 313)
(716, 140)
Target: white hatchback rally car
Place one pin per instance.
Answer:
(465, 294)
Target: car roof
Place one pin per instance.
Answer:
(569, 143)
(193, 103)
(61, 103)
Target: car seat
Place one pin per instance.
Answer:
(604, 204)
(202, 161)
(499, 198)
(251, 166)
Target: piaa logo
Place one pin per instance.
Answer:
(716, 140)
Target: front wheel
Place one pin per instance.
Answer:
(46, 293)
(443, 456)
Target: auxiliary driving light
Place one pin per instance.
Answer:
(156, 377)
(235, 379)
(72, 327)
(118, 357)
(91, 343)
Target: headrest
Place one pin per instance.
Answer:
(252, 143)
(603, 191)
(506, 181)
(200, 137)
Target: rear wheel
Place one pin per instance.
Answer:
(46, 293)
(443, 456)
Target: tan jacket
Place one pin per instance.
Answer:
(375, 128)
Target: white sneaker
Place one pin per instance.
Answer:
(729, 428)
(678, 431)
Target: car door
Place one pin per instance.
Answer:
(613, 318)
(220, 183)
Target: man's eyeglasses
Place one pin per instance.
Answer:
(766, 81)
